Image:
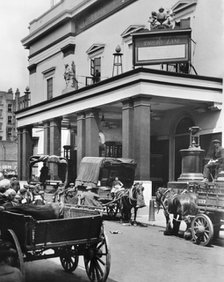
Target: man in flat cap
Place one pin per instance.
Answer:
(216, 163)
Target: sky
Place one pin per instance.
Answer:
(15, 16)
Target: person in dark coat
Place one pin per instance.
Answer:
(90, 198)
(216, 163)
(44, 175)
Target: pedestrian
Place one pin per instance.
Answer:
(216, 163)
(15, 184)
(44, 175)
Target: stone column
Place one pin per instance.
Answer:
(19, 152)
(127, 129)
(80, 137)
(73, 153)
(141, 146)
(55, 137)
(92, 135)
(27, 151)
(55, 144)
(73, 134)
(46, 127)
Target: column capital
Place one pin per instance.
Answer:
(92, 113)
(80, 116)
(55, 121)
(142, 100)
(127, 104)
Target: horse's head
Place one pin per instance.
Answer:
(161, 194)
(138, 188)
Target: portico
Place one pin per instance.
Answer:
(158, 99)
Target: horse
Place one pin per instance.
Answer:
(128, 199)
(182, 206)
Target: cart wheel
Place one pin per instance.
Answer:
(19, 263)
(202, 230)
(97, 261)
(112, 210)
(68, 261)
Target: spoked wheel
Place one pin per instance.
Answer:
(18, 261)
(112, 210)
(202, 230)
(69, 261)
(97, 261)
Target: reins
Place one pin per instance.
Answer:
(117, 199)
(131, 196)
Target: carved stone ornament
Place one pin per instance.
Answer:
(161, 19)
(70, 76)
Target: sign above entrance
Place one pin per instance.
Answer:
(161, 47)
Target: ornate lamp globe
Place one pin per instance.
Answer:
(118, 49)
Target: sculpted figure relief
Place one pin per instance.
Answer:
(70, 76)
(162, 19)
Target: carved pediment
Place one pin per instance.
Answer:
(95, 48)
(132, 29)
(182, 4)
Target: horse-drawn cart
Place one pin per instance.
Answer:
(100, 172)
(200, 203)
(207, 223)
(79, 233)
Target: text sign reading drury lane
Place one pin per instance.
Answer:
(150, 48)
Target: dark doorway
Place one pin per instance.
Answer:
(181, 142)
(159, 168)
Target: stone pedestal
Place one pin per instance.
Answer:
(192, 164)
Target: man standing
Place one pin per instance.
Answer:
(44, 175)
(216, 163)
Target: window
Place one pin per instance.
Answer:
(0, 112)
(50, 88)
(95, 53)
(9, 108)
(95, 69)
(0, 126)
(9, 119)
(9, 133)
(48, 76)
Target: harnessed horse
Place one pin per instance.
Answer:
(180, 205)
(128, 199)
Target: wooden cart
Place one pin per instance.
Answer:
(206, 225)
(100, 172)
(79, 233)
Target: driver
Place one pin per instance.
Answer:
(216, 163)
(117, 185)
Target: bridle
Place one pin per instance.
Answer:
(131, 193)
(161, 198)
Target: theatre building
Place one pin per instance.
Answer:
(123, 79)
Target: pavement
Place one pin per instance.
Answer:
(149, 215)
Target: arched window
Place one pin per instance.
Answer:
(184, 125)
